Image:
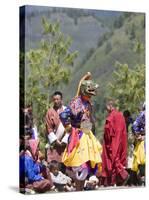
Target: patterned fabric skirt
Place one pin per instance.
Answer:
(87, 149)
(138, 155)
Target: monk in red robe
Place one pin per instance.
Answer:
(114, 155)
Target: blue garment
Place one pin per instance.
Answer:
(66, 116)
(139, 124)
(79, 110)
(30, 169)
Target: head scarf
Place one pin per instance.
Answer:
(31, 146)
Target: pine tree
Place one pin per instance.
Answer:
(128, 86)
(47, 67)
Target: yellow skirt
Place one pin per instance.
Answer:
(87, 149)
(138, 156)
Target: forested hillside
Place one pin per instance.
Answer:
(85, 27)
(118, 45)
(96, 41)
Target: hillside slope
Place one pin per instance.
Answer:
(118, 47)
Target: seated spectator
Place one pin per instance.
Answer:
(60, 180)
(30, 169)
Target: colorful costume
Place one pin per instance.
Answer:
(114, 156)
(138, 126)
(83, 151)
(138, 156)
(138, 129)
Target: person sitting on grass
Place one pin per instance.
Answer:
(30, 169)
(60, 180)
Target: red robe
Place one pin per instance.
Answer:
(114, 155)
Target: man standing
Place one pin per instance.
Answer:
(55, 129)
(114, 155)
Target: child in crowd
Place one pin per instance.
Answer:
(60, 180)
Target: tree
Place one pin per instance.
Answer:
(138, 47)
(48, 66)
(128, 86)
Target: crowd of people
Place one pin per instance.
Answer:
(74, 159)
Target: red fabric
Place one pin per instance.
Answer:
(114, 156)
(73, 140)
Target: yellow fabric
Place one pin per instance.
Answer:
(88, 149)
(138, 156)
